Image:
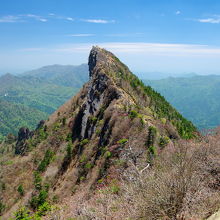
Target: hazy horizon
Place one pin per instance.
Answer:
(141, 74)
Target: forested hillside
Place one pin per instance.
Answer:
(197, 98)
(30, 97)
(13, 116)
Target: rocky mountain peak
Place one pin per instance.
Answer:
(97, 58)
(102, 61)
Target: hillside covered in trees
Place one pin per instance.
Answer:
(26, 99)
(197, 97)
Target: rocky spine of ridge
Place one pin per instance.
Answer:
(101, 92)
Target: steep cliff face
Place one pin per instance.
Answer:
(113, 118)
(23, 135)
(101, 92)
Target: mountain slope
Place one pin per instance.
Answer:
(114, 122)
(38, 94)
(195, 97)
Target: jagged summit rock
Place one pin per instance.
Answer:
(98, 57)
(101, 60)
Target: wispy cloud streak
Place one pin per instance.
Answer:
(21, 18)
(214, 19)
(210, 20)
(70, 19)
(98, 21)
(50, 16)
(81, 35)
(36, 17)
(10, 19)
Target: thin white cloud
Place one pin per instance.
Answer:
(107, 35)
(42, 19)
(98, 21)
(124, 35)
(10, 19)
(70, 19)
(30, 16)
(58, 17)
(81, 35)
(27, 17)
(36, 17)
(210, 20)
(21, 18)
(178, 12)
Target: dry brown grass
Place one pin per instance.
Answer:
(182, 184)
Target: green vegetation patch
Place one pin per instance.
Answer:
(46, 160)
(20, 190)
(122, 141)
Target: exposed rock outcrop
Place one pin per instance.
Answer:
(40, 124)
(101, 92)
(21, 145)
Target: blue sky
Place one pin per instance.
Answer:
(176, 36)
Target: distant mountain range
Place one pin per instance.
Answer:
(160, 75)
(197, 97)
(64, 75)
(27, 98)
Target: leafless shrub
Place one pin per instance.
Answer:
(177, 186)
(182, 184)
